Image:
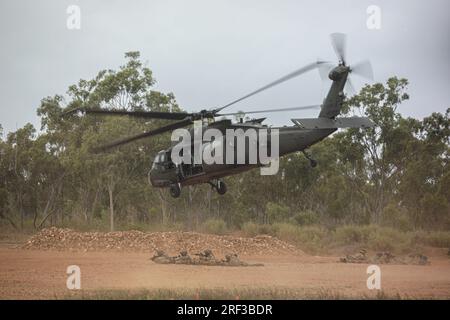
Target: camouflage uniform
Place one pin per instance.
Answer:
(419, 259)
(161, 257)
(361, 257)
(183, 258)
(233, 260)
(206, 257)
(384, 257)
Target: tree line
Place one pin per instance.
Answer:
(394, 174)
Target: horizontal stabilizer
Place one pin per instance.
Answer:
(325, 123)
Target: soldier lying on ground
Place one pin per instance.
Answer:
(162, 257)
(385, 257)
(360, 257)
(206, 257)
(183, 258)
(419, 259)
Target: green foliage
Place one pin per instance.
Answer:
(277, 212)
(305, 218)
(252, 293)
(395, 175)
(215, 226)
(312, 239)
(317, 239)
(388, 239)
(440, 239)
(250, 229)
(375, 238)
(396, 217)
(352, 234)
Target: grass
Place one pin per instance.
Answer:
(214, 226)
(274, 293)
(317, 239)
(440, 239)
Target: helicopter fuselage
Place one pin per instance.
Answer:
(250, 141)
(165, 172)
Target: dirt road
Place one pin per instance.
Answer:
(30, 274)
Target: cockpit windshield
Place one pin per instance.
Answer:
(162, 158)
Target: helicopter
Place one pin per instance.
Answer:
(174, 175)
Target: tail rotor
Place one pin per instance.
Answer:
(362, 69)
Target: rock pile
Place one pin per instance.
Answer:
(171, 242)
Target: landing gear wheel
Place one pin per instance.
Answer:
(221, 187)
(175, 190)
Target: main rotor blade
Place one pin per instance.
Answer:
(271, 110)
(289, 76)
(137, 114)
(170, 127)
(363, 69)
(339, 43)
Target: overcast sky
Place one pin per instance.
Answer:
(210, 52)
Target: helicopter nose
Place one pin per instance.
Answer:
(151, 176)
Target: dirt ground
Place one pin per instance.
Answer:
(37, 274)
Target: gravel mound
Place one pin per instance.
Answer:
(171, 242)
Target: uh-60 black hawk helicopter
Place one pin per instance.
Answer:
(304, 133)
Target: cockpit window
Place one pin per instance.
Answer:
(160, 158)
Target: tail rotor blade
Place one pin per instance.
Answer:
(324, 69)
(363, 69)
(349, 87)
(339, 43)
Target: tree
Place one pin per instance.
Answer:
(394, 174)
(379, 102)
